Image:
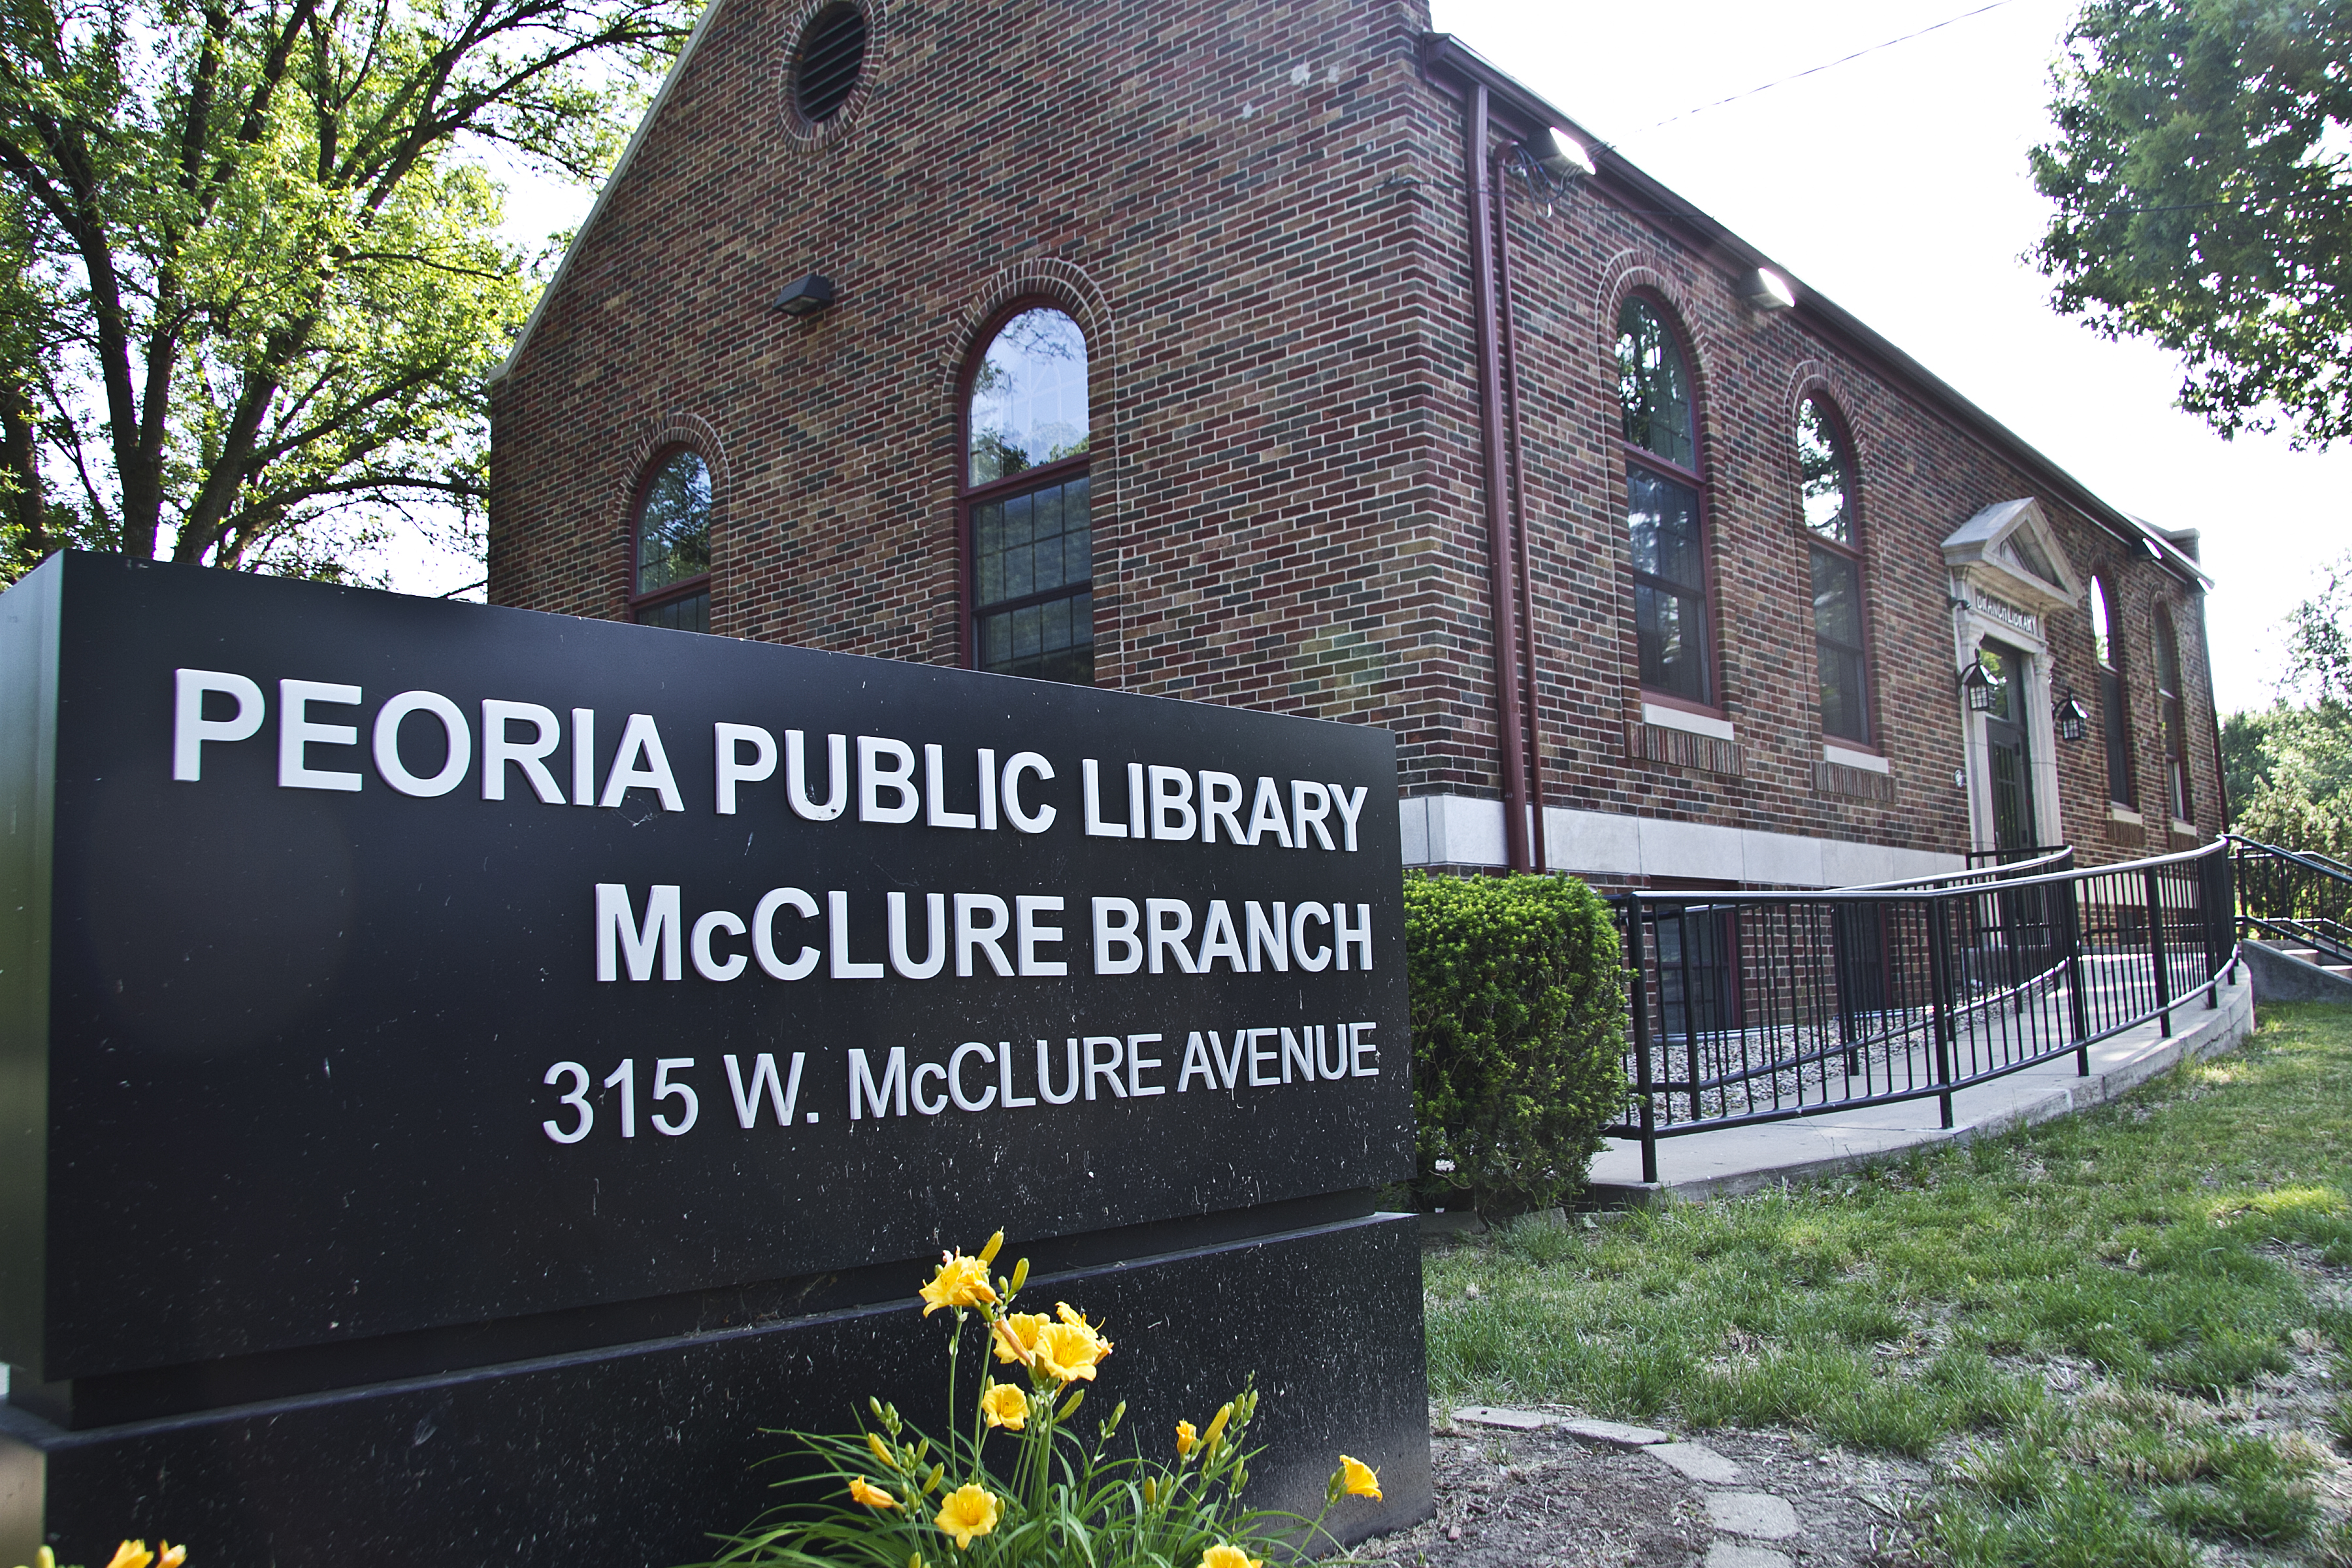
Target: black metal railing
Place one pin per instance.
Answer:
(2018, 855)
(2297, 895)
(1751, 1007)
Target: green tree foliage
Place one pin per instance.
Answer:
(248, 262)
(2200, 173)
(1519, 1035)
(2289, 766)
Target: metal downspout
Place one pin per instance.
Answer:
(1518, 491)
(1511, 724)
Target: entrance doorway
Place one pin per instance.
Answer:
(2010, 766)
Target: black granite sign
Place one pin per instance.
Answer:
(384, 964)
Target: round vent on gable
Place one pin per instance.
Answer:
(825, 67)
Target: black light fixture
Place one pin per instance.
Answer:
(1978, 686)
(2072, 719)
(1551, 162)
(808, 297)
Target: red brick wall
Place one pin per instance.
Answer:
(1258, 216)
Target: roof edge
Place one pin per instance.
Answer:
(1444, 52)
(604, 192)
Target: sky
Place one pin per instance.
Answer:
(1896, 185)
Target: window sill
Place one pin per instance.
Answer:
(1666, 718)
(1847, 757)
(2184, 829)
(2125, 815)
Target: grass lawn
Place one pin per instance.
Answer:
(2092, 1326)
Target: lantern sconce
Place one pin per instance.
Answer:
(1978, 686)
(2071, 718)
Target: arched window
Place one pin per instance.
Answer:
(669, 576)
(2176, 730)
(2114, 715)
(1025, 501)
(1661, 506)
(1825, 466)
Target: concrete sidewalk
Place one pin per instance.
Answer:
(1744, 1158)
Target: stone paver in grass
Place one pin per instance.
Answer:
(1510, 1420)
(1615, 1434)
(1756, 1514)
(1697, 1461)
(1740, 1554)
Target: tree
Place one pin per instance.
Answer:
(2204, 193)
(249, 264)
(2289, 766)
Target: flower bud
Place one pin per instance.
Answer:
(1076, 1398)
(1019, 1276)
(988, 1253)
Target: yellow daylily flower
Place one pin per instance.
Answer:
(172, 1556)
(1004, 1406)
(1358, 1480)
(1067, 1352)
(1015, 1336)
(869, 1494)
(1186, 1437)
(1217, 1427)
(961, 1282)
(1229, 1557)
(967, 1511)
(132, 1554)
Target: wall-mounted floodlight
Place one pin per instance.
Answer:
(1561, 156)
(1767, 290)
(806, 298)
(1551, 162)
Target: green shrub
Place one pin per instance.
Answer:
(1518, 1035)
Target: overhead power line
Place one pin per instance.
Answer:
(1826, 65)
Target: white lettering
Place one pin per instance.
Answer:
(955, 1077)
(1004, 1075)
(844, 966)
(970, 934)
(873, 778)
(1357, 1049)
(1196, 1060)
(641, 763)
(1045, 1076)
(935, 949)
(1107, 1070)
(458, 749)
(1028, 763)
(619, 934)
(1171, 927)
(763, 933)
(1268, 939)
(915, 1088)
(935, 763)
(497, 751)
(1220, 940)
(837, 777)
(294, 731)
(1265, 815)
(1301, 792)
(1350, 807)
(1029, 934)
(1319, 960)
(863, 1091)
(190, 730)
(781, 1098)
(1090, 773)
(1118, 944)
(1221, 800)
(732, 768)
(1171, 802)
(699, 946)
(1358, 937)
(1136, 1062)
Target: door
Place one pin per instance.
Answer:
(2005, 749)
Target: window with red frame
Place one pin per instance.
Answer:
(669, 582)
(2171, 719)
(2115, 717)
(1825, 468)
(1660, 425)
(1028, 516)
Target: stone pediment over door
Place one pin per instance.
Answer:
(2008, 553)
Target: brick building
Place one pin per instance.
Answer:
(1286, 356)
